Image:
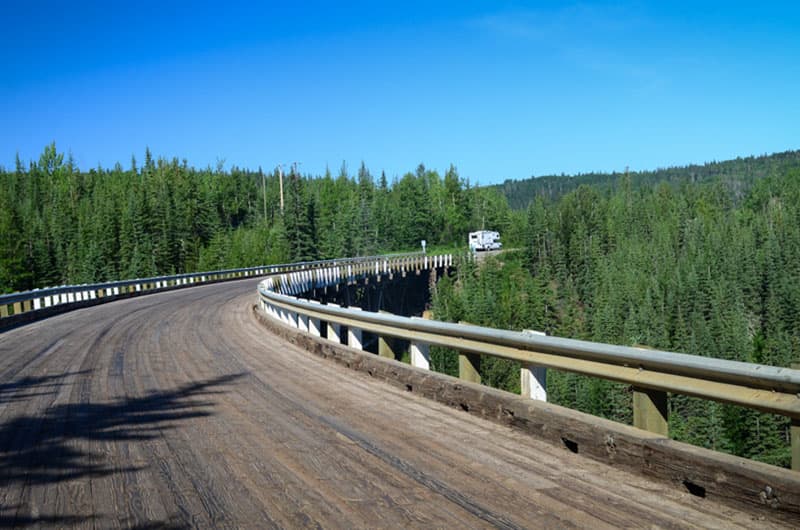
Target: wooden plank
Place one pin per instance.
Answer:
(734, 480)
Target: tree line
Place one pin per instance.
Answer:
(61, 225)
(739, 174)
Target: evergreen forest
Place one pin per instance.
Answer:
(700, 268)
(60, 225)
(700, 259)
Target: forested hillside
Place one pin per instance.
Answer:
(59, 224)
(695, 268)
(703, 260)
(739, 175)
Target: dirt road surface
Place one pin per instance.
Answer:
(179, 410)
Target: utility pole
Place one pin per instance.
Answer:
(280, 177)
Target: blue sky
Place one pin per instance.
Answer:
(499, 89)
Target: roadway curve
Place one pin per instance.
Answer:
(178, 409)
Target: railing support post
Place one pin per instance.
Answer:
(354, 338)
(420, 355)
(386, 347)
(794, 431)
(469, 367)
(421, 351)
(650, 410)
(314, 324)
(794, 435)
(334, 330)
(355, 335)
(386, 344)
(314, 327)
(533, 379)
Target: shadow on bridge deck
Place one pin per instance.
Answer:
(50, 447)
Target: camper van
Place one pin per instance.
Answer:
(484, 240)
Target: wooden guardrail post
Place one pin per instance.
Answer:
(385, 348)
(794, 435)
(795, 439)
(3, 310)
(17, 308)
(650, 410)
(469, 365)
(386, 344)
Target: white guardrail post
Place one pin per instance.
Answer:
(354, 335)
(533, 379)
(334, 329)
(420, 353)
(314, 324)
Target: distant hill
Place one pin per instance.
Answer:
(739, 173)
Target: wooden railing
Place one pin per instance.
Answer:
(653, 374)
(39, 302)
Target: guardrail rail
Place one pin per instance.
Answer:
(30, 305)
(651, 373)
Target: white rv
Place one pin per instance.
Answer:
(484, 240)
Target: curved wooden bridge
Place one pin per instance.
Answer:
(179, 409)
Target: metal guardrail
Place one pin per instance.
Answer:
(37, 299)
(652, 373)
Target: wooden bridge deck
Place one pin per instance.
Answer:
(179, 410)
